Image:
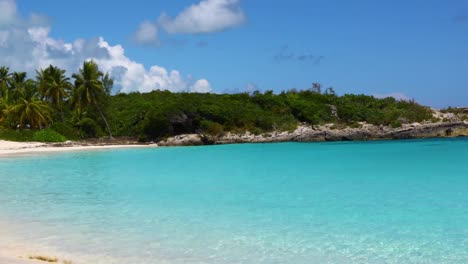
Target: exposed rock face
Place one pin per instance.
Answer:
(449, 117)
(183, 140)
(327, 133)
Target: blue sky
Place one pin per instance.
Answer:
(417, 49)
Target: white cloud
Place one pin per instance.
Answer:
(201, 86)
(7, 11)
(397, 96)
(133, 74)
(147, 33)
(205, 17)
(25, 45)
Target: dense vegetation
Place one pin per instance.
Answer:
(51, 108)
(54, 107)
(161, 113)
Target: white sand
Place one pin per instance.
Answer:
(9, 148)
(14, 252)
(16, 255)
(8, 260)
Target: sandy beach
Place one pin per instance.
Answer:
(15, 251)
(9, 148)
(17, 254)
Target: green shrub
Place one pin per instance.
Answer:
(395, 124)
(17, 135)
(142, 138)
(212, 128)
(88, 128)
(156, 125)
(48, 135)
(285, 123)
(66, 129)
(256, 131)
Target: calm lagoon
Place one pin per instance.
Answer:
(299, 203)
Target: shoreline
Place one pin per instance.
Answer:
(328, 133)
(13, 250)
(16, 248)
(11, 148)
(303, 133)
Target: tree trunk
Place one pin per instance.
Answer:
(103, 118)
(61, 113)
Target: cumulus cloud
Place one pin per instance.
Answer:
(133, 74)
(26, 45)
(7, 11)
(201, 86)
(147, 33)
(397, 96)
(205, 17)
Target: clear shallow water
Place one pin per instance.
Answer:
(374, 202)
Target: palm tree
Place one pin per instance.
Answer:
(5, 79)
(29, 90)
(54, 86)
(3, 107)
(89, 90)
(18, 86)
(30, 111)
(108, 83)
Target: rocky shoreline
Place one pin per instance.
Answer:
(329, 132)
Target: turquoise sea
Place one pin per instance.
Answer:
(298, 203)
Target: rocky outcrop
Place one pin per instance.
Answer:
(183, 140)
(328, 133)
(454, 129)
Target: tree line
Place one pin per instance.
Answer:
(158, 114)
(54, 97)
(81, 106)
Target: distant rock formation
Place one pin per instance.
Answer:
(183, 140)
(329, 132)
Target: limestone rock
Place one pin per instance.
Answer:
(327, 132)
